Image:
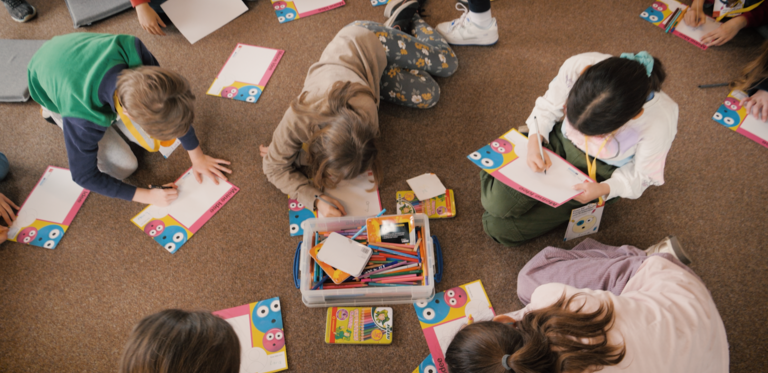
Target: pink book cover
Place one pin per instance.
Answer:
(49, 209)
(173, 225)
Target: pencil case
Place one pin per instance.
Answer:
(359, 325)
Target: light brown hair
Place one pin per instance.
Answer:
(754, 73)
(158, 99)
(552, 339)
(342, 143)
(176, 341)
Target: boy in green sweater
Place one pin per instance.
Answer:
(86, 82)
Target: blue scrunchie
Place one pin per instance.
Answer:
(643, 57)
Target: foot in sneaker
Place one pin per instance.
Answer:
(20, 10)
(463, 31)
(401, 15)
(670, 245)
(392, 4)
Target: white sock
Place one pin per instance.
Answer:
(482, 20)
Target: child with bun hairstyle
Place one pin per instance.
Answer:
(329, 132)
(176, 341)
(754, 81)
(600, 308)
(610, 107)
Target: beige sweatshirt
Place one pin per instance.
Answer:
(354, 55)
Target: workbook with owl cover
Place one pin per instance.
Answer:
(246, 73)
(443, 316)
(442, 206)
(173, 225)
(659, 14)
(288, 11)
(359, 325)
(259, 327)
(734, 116)
(49, 210)
(428, 366)
(506, 160)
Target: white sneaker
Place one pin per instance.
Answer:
(670, 245)
(462, 31)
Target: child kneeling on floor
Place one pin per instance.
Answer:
(610, 107)
(600, 308)
(331, 127)
(176, 341)
(86, 82)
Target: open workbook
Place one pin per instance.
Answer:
(661, 12)
(734, 116)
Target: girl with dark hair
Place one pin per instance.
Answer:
(754, 81)
(332, 126)
(599, 307)
(176, 341)
(605, 115)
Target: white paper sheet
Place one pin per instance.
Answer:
(303, 6)
(248, 64)
(355, 197)
(697, 33)
(755, 126)
(556, 185)
(195, 19)
(426, 186)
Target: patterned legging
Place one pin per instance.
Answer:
(411, 62)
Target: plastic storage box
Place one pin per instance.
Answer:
(369, 296)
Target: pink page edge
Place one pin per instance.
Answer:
(692, 41)
(76, 207)
(433, 344)
(233, 312)
(272, 66)
(323, 9)
(753, 137)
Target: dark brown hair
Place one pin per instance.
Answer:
(176, 341)
(755, 72)
(158, 99)
(610, 93)
(552, 339)
(342, 143)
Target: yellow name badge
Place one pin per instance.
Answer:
(584, 221)
(137, 135)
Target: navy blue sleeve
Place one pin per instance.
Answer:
(763, 84)
(82, 141)
(147, 58)
(189, 141)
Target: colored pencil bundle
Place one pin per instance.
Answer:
(359, 325)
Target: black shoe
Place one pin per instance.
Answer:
(20, 10)
(402, 16)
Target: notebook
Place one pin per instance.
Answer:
(660, 11)
(428, 366)
(259, 327)
(297, 214)
(195, 19)
(246, 73)
(288, 11)
(505, 160)
(732, 115)
(49, 210)
(443, 316)
(442, 206)
(358, 196)
(173, 225)
(359, 325)
(379, 2)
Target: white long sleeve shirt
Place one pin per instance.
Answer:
(665, 317)
(639, 148)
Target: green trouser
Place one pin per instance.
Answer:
(511, 218)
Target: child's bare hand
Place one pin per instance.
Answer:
(204, 165)
(6, 209)
(591, 191)
(330, 211)
(695, 16)
(3, 233)
(757, 105)
(534, 156)
(149, 19)
(263, 150)
(725, 32)
(163, 197)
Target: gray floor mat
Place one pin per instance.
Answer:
(85, 12)
(13, 68)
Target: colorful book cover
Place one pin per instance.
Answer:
(442, 206)
(734, 116)
(173, 225)
(288, 11)
(379, 2)
(49, 210)
(659, 13)
(297, 214)
(399, 229)
(359, 325)
(259, 326)
(428, 366)
(246, 73)
(505, 160)
(443, 316)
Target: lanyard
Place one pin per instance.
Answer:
(739, 11)
(592, 165)
(156, 144)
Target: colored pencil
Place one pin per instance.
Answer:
(390, 245)
(325, 277)
(414, 272)
(400, 258)
(397, 279)
(398, 264)
(408, 267)
(366, 226)
(395, 252)
(345, 286)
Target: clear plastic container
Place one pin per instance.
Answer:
(368, 296)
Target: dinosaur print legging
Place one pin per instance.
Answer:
(411, 63)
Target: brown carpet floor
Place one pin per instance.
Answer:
(71, 309)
